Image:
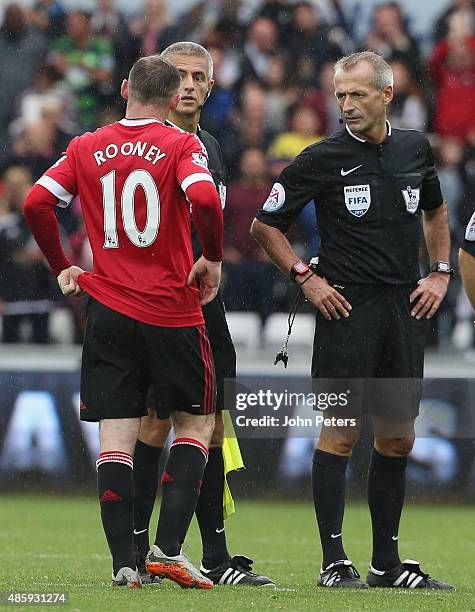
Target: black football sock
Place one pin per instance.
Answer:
(386, 486)
(181, 482)
(146, 460)
(115, 485)
(209, 511)
(328, 483)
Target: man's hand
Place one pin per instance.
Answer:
(68, 281)
(209, 273)
(431, 291)
(327, 299)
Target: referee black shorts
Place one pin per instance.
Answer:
(378, 351)
(224, 355)
(123, 358)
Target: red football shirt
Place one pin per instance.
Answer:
(132, 178)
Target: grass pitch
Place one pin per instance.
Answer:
(52, 544)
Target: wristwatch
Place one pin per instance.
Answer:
(442, 266)
(298, 269)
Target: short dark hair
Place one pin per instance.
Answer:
(153, 80)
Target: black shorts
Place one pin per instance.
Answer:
(379, 340)
(222, 347)
(123, 357)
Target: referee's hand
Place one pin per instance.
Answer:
(431, 291)
(209, 274)
(329, 302)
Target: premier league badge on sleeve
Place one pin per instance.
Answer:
(358, 199)
(411, 198)
(200, 160)
(470, 229)
(276, 198)
(222, 194)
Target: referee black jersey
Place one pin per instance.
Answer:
(368, 199)
(218, 172)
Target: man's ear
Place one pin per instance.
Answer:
(124, 89)
(174, 102)
(210, 88)
(388, 93)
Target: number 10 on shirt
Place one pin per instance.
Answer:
(137, 178)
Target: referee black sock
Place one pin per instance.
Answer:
(386, 486)
(209, 511)
(181, 482)
(115, 485)
(146, 460)
(328, 482)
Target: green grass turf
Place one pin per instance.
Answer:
(52, 544)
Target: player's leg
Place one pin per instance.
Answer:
(217, 564)
(181, 482)
(182, 478)
(209, 509)
(344, 353)
(113, 386)
(401, 371)
(386, 486)
(330, 462)
(182, 373)
(152, 438)
(115, 487)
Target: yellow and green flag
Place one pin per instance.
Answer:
(232, 461)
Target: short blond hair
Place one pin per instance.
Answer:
(382, 71)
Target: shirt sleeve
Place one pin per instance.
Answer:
(39, 213)
(468, 242)
(192, 166)
(431, 193)
(60, 179)
(294, 188)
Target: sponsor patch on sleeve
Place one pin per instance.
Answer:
(276, 198)
(199, 159)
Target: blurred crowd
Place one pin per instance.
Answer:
(60, 72)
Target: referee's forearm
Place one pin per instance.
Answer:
(437, 233)
(274, 243)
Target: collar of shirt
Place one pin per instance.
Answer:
(366, 141)
(139, 121)
(168, 122)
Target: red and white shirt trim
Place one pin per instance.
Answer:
(56, 189)
(191, 179)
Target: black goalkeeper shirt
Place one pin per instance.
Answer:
(368, 199)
